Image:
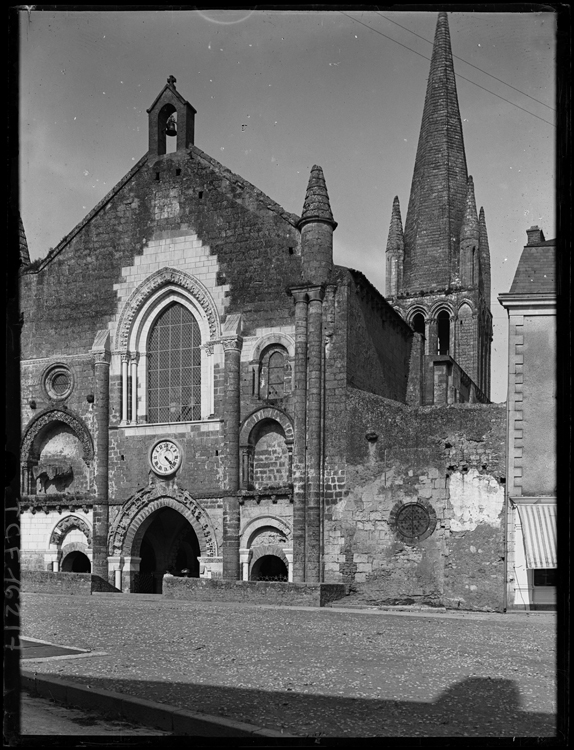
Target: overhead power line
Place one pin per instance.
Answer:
(380, 33)
(468, 63)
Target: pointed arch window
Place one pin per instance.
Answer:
(174, 367)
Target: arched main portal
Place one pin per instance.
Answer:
(165, 543)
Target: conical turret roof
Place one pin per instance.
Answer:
(24, 253)
(439, 187)
(317, 206)
(395, 240)
(484, 255)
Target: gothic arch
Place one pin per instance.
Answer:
(466, 303)
(128, 522)
(416, 310)
(30, 451)
(267, 412)
(438, 307)
(65, 525)
(165, 278)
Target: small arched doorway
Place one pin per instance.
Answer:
(167, 544)
(76, 562)
(269, 568)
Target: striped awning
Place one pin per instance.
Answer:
(539, 533)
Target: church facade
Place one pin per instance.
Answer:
(203, 390)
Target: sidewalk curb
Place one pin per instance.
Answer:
(168, 718)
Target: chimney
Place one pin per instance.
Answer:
(535, 236)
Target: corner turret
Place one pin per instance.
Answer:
(317, 226)
(395, 252)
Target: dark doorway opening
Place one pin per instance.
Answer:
(269, 568)
(169, 544)
(76, 562)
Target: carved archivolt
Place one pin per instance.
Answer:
(164, 277)
(248, 535)
(275, 550)
(149, 499)
(67, 524)
(53, 416)
(266, 413)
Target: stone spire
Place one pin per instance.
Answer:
(395, 252)
(317, 206)
(24, 254)
(484, 252)
(316, 226)
(439, 186)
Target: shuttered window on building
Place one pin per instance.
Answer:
(174, 367)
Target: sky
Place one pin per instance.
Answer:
(279, 91)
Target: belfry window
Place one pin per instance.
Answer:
(443, 332)
(174, 367)
(419, 324)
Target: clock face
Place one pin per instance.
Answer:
(165, 457)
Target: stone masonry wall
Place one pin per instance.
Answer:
(450, 459)
(380, 342)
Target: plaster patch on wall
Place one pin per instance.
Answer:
(475, 499)
(166, 204)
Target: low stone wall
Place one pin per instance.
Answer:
(48, 582)
(252, 592)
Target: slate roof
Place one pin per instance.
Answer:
(536, 272)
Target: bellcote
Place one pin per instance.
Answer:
(170, 116)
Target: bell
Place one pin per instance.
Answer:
(170, 127)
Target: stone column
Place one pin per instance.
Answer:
(244, 560)
(299, 443)
(125, 358)
(314, 381)
(101, 510)
(134, 370)
(231, 514)
(129, 573)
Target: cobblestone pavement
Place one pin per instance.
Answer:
(313, 673)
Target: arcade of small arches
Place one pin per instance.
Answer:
(439, 326)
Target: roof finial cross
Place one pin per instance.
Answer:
(171, 80)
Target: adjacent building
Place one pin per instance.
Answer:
(531, 482)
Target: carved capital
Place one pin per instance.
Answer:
(232, 344)
(316, 294)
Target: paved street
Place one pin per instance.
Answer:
(312, 673)
(39, 716)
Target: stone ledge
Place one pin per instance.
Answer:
(49, 582)
(253, 592)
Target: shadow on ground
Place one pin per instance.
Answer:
(476, 707)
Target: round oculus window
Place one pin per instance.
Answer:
(413, 520)
(58, 382)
